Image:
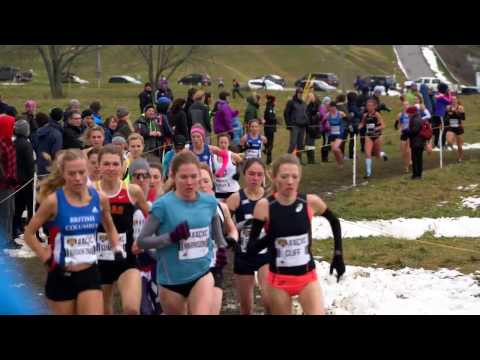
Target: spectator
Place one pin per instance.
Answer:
(313, 129)
(236, 89)
(377, 92)
(25, 171)
(29, 115)
(427, 100)
(199, 114)
(354, 116)
(3, 106)
(87, 119)
(342, 106)
(296, 119)
(270, 126)
(178, 118)
(154, 133)
(251, 111)
(145, 97)
(222, 122)
(48, 140)
(111, 125)
(191, 92)
(95, 106)
(417, 143)
(221, 83)
(72, 131)
(412, 93)
(442, 100)
(8, 181)
(73, 105)
(362, 106)
(324, 127)
(124, 128)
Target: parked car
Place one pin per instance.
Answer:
(123, 79)
(273, 78)
(264, 83)
(318, 85)
(386, 81)
(329, 78)
(431, 82)
(24, 76)
(8, 73)
(469, 90)
(73, 78)
(195, 79)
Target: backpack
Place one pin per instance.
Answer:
(426, 131)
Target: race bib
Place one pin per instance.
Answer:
(196, 246)
(252, 154)
(80, 249)
(104, 248)
(335, 130)
(454, 122)
(292, 251)
(223, 185)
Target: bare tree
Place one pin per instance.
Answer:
(166, 59)
(57, 58)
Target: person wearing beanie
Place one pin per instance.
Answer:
(145, 97)
(48, 139)
(25, 172)
(123, 128)
(8, 180)
(87, 118)
(139, 171)
(29, 115)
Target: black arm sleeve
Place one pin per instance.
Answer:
(256, 244)
(336, 229)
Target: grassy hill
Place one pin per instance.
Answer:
(233, 61)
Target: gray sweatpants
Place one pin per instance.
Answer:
(7, 210)
(297, 138)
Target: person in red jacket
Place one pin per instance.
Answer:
(8, 180)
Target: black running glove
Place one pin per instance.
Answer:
(232, 243)
(337, 264)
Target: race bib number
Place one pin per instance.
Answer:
(454, 122)
(196, 246)
(105, 251)
(252, 154)
(223, 185)
(335, 130)
(80, 249)
(292, 251)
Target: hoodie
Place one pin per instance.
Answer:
(222, 122)
(251, 112)
(49, 140)
(8, 163)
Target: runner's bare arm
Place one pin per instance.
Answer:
(230, 225)
(237, 158)
(362, 122)
(243, 140)
(382, 122)
(264, 139)
(138, 196)
(107, 222)
(214, 149)
(316, 204)
(47, 211)
(233, 202)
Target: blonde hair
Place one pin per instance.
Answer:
(55, 179)
(135, 136)
(88, 133)
(285, 159)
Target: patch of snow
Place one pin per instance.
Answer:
(471, 202)
(465, 146)
(429, 55)
(400, 228)
(399, 62)
(369, 291)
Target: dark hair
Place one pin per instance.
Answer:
(11, 111)
(223, 95)
(177, 105)
(71, 113)
(208, 96)
(191, 92)
(250, 162)
(351, 97)
(147, 84)
(56, 114)
(86, 113)
(184, 158)
(41, 119)
(156, 165)
(148, 107)
(109, 119)
(95, 106)
(340, 98)
(285, 159)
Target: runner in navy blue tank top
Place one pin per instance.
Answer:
(74, 212)
(242, 204)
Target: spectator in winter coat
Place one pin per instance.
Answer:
(72, 131)
(29, 115)
(312, 133)
(73, 105)
(177, 118)
(154, 133)
(8, 180)
(48, 140)
(199, 114)
(270, 126)
(442, 100)
(354, 116)
(191, 92)
(111, 125)
(95, 106)
(296, 119)
(222, 122)
(123, 128)
(145, 97)
(417, 143)
(251, 111)
(25, 171)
